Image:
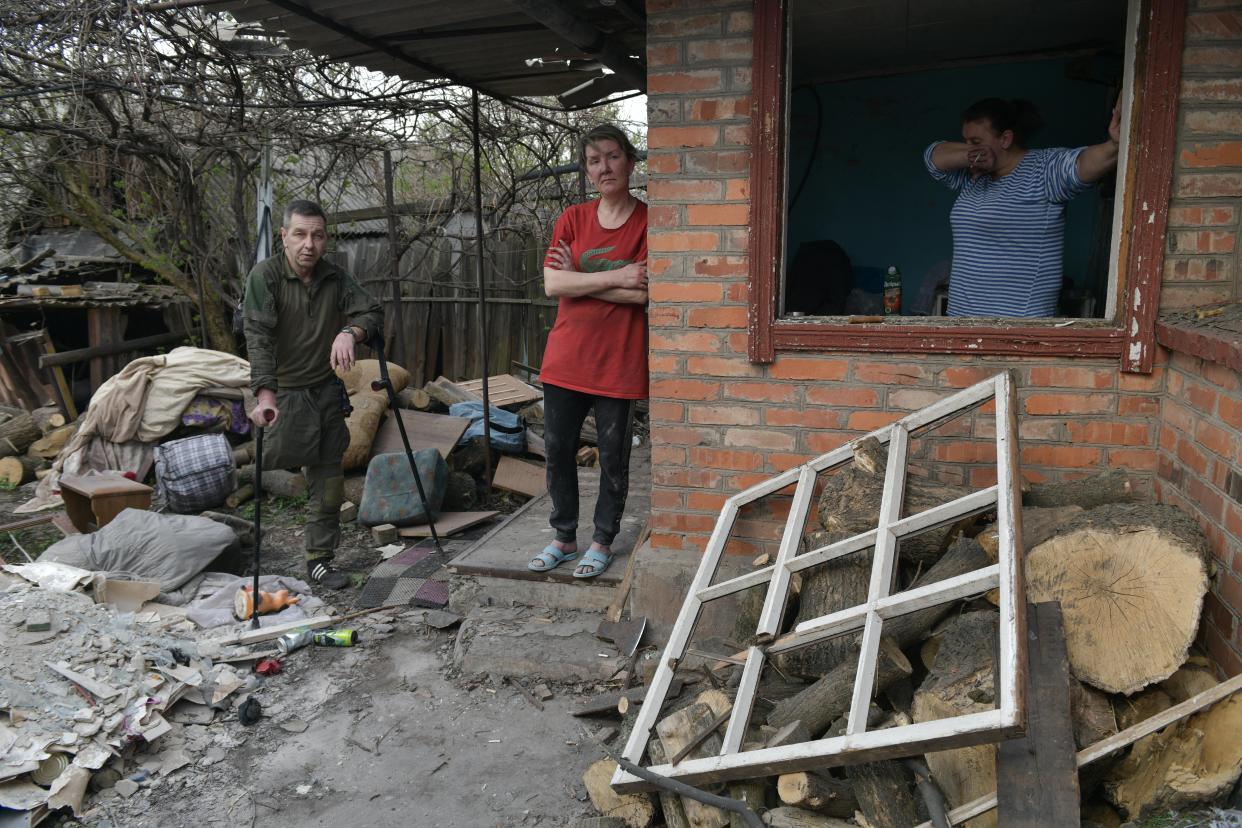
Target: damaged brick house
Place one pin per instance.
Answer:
(775, 125)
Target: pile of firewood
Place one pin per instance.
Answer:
(29, 442)
(1130, 579)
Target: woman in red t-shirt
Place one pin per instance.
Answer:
(596, 357)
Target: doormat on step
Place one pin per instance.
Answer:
(415, 576)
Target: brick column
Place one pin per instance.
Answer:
(1201, 262)
(699, 55)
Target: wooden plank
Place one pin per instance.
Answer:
(103, 327)
(438, 431)
(249, 636)
(1116, 742)
(63, 393)
(26, 523)
(1036, 775)
(63, 522)
(606, 703)
(502, 390)
(519, 476)
(448, 524)
(52, 357)
(96, 688)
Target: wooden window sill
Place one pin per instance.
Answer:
(1083, 338)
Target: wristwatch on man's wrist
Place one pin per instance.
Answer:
(349, 329)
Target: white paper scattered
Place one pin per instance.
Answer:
(57, 577)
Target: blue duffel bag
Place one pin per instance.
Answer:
(508, 433)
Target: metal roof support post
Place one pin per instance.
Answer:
(478, 246)
(394, 257)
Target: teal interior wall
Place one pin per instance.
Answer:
(866, 187)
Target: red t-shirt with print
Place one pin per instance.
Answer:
(599, 347)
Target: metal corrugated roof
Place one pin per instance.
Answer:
(481, 43)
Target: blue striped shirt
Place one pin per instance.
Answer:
(1008, 234)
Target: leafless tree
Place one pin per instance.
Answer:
(146, 124)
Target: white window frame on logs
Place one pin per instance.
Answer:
(858, 744)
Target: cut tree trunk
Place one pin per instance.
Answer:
(1037, 526)
(817, 792)
(1195, 761)
(670, 803)
(1090, 492)
(242, 494)
(681, 729)
(964, 555)
(749, 792)
(963, 681)
(415, 398)
(48, 417)
(461, 493)
(19, 469)
(850, 505)
(835, 585)
(1140, 707)
(883, 790)
(243, 455)
(277, 482)
(17, 433)
(850, 502)
(1092, 712)
(829, 697)
(1189, 680)
(637, 810)
(1131, 580)
(447, 393)
(787, 817)
(48, 446)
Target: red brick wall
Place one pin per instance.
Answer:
(721, 424)
(1201, 262)
(1200, 471)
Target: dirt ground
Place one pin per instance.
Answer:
(388, 733)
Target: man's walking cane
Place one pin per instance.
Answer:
(385, 383)
(258, 511)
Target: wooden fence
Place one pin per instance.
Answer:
(431, 313)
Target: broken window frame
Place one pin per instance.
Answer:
(858, 744)
(1152, 97)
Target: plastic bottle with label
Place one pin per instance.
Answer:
(892, 292)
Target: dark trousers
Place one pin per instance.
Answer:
(564, 412)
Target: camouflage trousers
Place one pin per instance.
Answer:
(311, 433)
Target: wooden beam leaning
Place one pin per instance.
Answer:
(1114, 743)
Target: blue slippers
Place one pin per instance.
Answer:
(594, 562)
(550, 558)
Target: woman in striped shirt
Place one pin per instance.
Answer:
(1008, 220)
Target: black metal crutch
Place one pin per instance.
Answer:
(258, 511)
(384, 383)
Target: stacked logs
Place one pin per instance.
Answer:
(1131, 580)
(29, 442)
